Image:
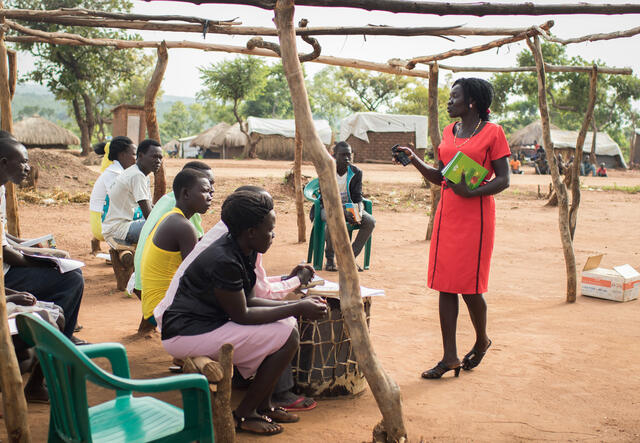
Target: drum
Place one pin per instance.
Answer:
(325, 365)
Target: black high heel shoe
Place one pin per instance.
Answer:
(474, 357)
(439, 370)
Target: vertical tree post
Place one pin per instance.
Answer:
(13, 221)
(558, 185)
(384, 389)
(297, 178)
(159, 179)
(577, 157)
(434, 136)
(13, 401)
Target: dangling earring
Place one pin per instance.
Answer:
(470, 106)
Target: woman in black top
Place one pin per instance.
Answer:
(215, 304)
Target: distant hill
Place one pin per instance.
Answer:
(31, 98)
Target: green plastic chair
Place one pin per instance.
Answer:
(315, 253)
(124, 419)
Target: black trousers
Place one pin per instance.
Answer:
(48, 284)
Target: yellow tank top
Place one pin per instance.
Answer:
(157, 269)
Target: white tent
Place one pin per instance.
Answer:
(286, 128)
(358, 124)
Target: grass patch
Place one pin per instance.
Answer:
(625, 189)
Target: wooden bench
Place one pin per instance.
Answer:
(219, 374)
(121, 261)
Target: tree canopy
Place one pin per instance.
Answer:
(182, 121)
(83, 76)
(516, 102)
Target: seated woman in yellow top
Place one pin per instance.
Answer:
(173, 237)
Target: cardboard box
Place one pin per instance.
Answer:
(622, 283)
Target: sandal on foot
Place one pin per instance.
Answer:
(439, 370)
(473, 358)
(280, 415)
(301, 403)
(268, 426)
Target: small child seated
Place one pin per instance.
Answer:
(602, 171)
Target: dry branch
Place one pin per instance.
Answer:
(130, 44)
(592, 37)
(559, 186)
(12, 57)
(153, 129)
(479, 48)
(547, 68)
(384, 389)
(577, 158)
(90, 18)
(434, 136)
(448, 8)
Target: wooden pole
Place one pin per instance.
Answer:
(69, 39)
(297, 178)
(448, 8)
(577, 157)
(159, 179)
(547, 68)
(13, 400)
(559, 186)
(6, 123)
(434, 136)
(384, 389)
(13, 71)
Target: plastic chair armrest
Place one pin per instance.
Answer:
(368, 206)
(114, 352)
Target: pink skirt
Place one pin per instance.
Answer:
(251, 343)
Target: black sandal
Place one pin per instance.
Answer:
(439, 370)
(263, 418)
(280, 415)
(473, 358)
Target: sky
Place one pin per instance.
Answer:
(182, 75)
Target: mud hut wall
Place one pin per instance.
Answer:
(378, 149)
(277, 147)
(229, 153)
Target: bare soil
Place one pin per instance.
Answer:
(556, 371)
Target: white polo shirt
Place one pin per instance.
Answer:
(127, 190)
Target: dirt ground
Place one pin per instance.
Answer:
(556, 371)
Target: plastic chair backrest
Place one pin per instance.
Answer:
(66, 370)
(312, 190)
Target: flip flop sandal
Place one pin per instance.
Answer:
(299, 405)
(263, 418)
(280, 415)
(439, 370)
(473, 358)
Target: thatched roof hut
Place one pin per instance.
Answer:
(38, 132)
(212, 137)
(235, 138)
(528, 137)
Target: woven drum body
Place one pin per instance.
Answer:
(325, 365)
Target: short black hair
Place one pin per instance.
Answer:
(8, 145)
(245, 209)
(250, 188)
(340, 145)
(117, 145)
(6, 134)
(98, 148)
(196, 164)
(478, 90)
(145, 144)
(185, 179)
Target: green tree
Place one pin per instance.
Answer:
(327, 97)
(235, 82)
(370, 91)
(82, 76)
(181, 121)
(274, 101)
(516, 100)
(30, 110)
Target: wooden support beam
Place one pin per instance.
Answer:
(559, 187)
(384, 389)
(434, 136)
(130, 44)
(153, 129)
(12, 57)
(297, 186)
(547, 67)
(577, 157)
(448, 8)
(90, 18)
(479, 48)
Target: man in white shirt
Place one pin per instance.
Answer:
(130, 190)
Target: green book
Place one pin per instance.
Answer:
(473, 172)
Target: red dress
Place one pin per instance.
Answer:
(463, 229)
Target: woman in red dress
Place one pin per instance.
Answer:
(464, 224)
